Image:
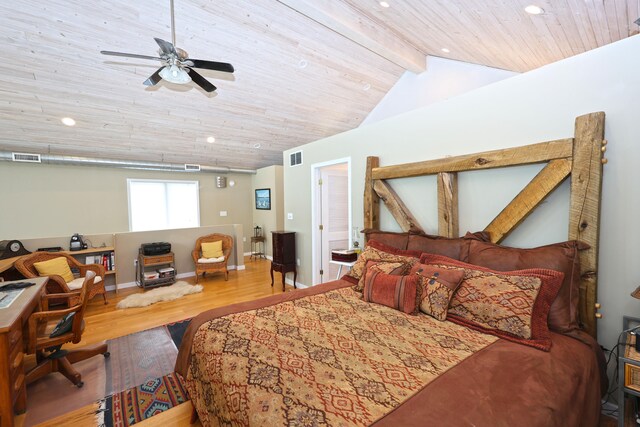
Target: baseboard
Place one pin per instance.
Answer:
(298, 284)
(178, 276)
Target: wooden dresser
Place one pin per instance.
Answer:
(14, 322)
(284, 254)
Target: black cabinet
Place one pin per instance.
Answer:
(284, 254)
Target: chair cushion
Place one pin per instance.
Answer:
(56, 266)
(210, 260)
(212, 249)
(76, 284)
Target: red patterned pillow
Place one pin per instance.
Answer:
(513, 305)
(392, 268)
(438, 286)
(399, 292)
(379, 252)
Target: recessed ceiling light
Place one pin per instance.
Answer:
(366, 86)
(445, 50)
(211, 140)
(257, 145)
(384, 4)
(534, 10)
(303, 63)
(68, 121)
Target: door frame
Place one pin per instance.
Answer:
(315, 170)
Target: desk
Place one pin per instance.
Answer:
(341, 264)
(13, 321)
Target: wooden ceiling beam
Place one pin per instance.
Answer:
(356, 27)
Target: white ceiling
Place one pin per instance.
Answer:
(52, 67)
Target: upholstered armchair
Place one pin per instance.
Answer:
(57, 284)
(211, 265)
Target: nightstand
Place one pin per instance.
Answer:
(628, 368)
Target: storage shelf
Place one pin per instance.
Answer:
(90, 251)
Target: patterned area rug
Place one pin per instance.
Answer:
(139, 403)
(153, 396)
(143, 360)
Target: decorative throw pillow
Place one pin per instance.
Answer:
(456, 248)
(399, 292)
(56, 266)
(392, 268)
(212, 249)
(513, 305)
(564, 257)
(438, 286)
(379, 252)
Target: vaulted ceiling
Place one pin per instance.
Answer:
(305, 69)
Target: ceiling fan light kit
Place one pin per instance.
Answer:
(175, 74)
(177, 67)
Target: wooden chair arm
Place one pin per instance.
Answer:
(227, 254)
(195, 254)
(39, 316)
(96, 268)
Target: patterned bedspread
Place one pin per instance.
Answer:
(324, 360)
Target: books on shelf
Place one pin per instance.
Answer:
(106, 259)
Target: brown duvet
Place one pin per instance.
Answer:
(321, 356)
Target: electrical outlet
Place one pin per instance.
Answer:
(298, 262)
(223, 213)
(290, 215)
(244, 239)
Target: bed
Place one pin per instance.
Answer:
(330, 355)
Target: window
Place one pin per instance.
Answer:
(160, 205)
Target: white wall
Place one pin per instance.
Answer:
(443, 79)
(528, 108)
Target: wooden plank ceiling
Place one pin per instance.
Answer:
(304, 69)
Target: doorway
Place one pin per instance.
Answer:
(331, 215)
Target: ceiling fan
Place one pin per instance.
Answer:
(177, 67)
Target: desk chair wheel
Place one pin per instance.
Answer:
(106, 355)
(80, 384)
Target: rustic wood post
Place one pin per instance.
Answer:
(448, 204)
(584, 213)
(371, 199)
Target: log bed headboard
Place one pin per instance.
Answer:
(580, 156)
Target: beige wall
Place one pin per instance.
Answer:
(41, 200)
(270, 220)
(536, 106)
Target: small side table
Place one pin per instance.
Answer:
(340, 264)
(256, 241)
(628, 368)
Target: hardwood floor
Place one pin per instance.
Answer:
(103, 322)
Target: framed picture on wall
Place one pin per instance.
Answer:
(263, 198)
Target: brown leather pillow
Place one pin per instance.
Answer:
(396, 240)
(563, 257)
(456, 248)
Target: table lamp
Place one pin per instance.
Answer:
(636, 294)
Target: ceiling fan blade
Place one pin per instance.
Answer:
(201, 81)
(129, 55)
(154, 79)
(165, 46)
(212, 65)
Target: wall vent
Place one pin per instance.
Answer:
(26, 157)
(191, 167)
(296, 158)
